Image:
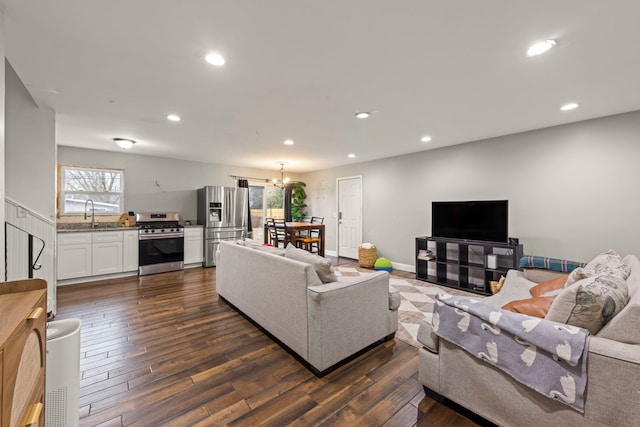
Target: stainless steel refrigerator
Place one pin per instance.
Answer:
(224, 213)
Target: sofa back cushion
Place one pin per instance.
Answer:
(321, 265)
(254, 244)
(625, 327)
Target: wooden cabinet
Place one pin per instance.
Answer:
(463, 264)
(193, 245)
(23, 308)
(74, 255)
(130, 250)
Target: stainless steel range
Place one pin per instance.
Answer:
(160, 242)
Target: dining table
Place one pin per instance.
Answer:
(293, 228)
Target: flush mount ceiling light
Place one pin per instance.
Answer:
(425, 138)
(569, 106)
(288, 142)
(214, 58)
(124, 143)
(351, 156)
(540, 47)
(363, 115)
(173, 117)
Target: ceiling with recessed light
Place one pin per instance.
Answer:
(301, 70)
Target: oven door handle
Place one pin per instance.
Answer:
(160, 236)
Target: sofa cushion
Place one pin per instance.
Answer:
(590, 303)
(625, 327)
(515, 287)
(254, 244)
(609, 263)
(550, 285)
(321, 265)
(536, 307)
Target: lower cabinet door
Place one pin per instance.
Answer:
(107, 258)
(74, 261)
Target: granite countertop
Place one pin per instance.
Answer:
(78, 227)
(86, 227)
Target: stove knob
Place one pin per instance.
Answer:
(153, 231)
(146, 231)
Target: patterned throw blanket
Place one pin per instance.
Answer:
(549, 357)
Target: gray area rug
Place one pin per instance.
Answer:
(416, 301)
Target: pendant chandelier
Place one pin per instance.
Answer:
(282, 182)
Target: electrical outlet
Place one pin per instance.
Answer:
(22, 212)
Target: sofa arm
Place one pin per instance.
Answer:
(427, 337)
(346, 316)
(615, 350)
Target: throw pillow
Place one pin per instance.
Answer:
(321, 265)
(609, 263)
(548, 286)
(590, 303)
(536, 307)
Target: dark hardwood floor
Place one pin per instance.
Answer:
(165, 350)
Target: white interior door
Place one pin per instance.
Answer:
(349, 216)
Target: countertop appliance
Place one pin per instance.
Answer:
(224, 213)
(160, 242)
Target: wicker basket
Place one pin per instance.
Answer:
(367, 257)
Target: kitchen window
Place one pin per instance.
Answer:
(105, 187)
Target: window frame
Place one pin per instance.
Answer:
(63, 192)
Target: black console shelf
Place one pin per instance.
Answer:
(463, 264)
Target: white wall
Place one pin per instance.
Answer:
(29, 171)
(30, 149)
(572, 189)
(178, 179)
(2, 96)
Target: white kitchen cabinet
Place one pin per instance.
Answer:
(193, 245)
(130, 250)
(96, 253)
(107, 253)
(74, 255)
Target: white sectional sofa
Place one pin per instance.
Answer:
(322, 323)
(613, 369)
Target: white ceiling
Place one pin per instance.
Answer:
(300, 69)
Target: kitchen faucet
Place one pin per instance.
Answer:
(93, 212)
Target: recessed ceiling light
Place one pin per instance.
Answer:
(363, 114)
(425, 139)
(288, 142)
(124, 143)
(173, 117)
(540, 47)
(352, 156)
(569, 106)
(215, 58)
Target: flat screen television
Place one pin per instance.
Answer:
(483, 220)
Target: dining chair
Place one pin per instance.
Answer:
(312, 241)
(277, 232)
